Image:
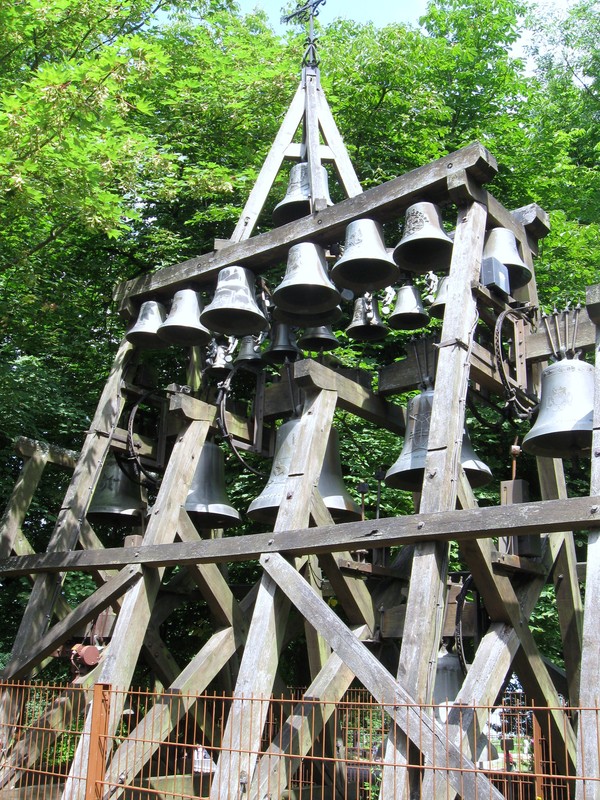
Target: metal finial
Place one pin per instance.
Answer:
(306, 12)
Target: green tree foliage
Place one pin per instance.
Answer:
(131, 134)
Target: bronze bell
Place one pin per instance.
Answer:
(320, 338)
(234, 310)
(438, 306)
(282, 345)
(207, 503)
(183, 325)
(424, 245)
(408, 314)
(365, 264)
(144, 333)
(297, 201)
(306, 320)
(117, 498)
(306, 285)
(331, 487)
(366, 325)
(408, 470)
(249, 356)
(501, 243)
(565, 421)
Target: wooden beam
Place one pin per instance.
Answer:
(55, 455)
(426, 734)
(575, 513)
(264, 251)
(20, 499)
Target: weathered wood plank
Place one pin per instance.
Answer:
(342, 163)
(575, 513)
(588, 753)
(268, 173)
(20, 500)
(262, 252)
(415, 723)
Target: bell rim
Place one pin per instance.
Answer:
(246, 322)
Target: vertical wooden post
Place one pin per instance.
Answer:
(588, 753)
(98, 741)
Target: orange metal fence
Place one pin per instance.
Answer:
(72, 742)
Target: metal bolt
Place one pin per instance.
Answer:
(594, 509)
(270, 541)
(420, 525)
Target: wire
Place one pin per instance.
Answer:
(223, 390)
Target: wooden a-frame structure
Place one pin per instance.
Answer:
(248, 634)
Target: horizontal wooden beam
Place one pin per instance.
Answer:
(267, 250)
(55, 455)
(547, 516)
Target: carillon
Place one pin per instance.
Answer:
(144, 333)
(183, 325)
(319, 338)
(409, 313)
(117, 499)
(331, 486)
(297, 201)
(282, 345)
(207, 503)
(425, 246)
(306, 287)
(234, 310)
(501, 243)
(365, 264)
(366, 325)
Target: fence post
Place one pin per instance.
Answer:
(98, 741)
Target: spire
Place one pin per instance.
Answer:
(307, 13)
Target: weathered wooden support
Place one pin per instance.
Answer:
(588, 753)
(575, 513)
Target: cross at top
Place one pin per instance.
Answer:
(307, 13)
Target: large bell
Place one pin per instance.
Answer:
(306, 319)
(249, 356)
(306, 285)
(183, 325)
(234, 310)
(564, 424)
(437, 308)
(319, 338)
(424, 245)
(296, 203)
(501, 243)
(408, 470)
(282, 346)
(144, 333)
(331, 486)
(408, 313)
(449, 679)
(117, 498)
(207, 502)
(365, 264)
(366, 325)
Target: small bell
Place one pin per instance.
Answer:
(366, 325)
(424, 245)
(207, 503)
(297, 201)
(234, 310)
(565, 421)
(408, 314)
(144, 333)
(501, 243)
(249, 356)
(218, 359)
(306, 285)
(117, 499)
(183, 325)
(408, 470)
(449, 679)
(331, 487)
(438, 306)
(319, 338)
(282, 345)
(306, 320)
(365, 264)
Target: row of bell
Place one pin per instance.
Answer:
(425, 246)
(563, 429)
